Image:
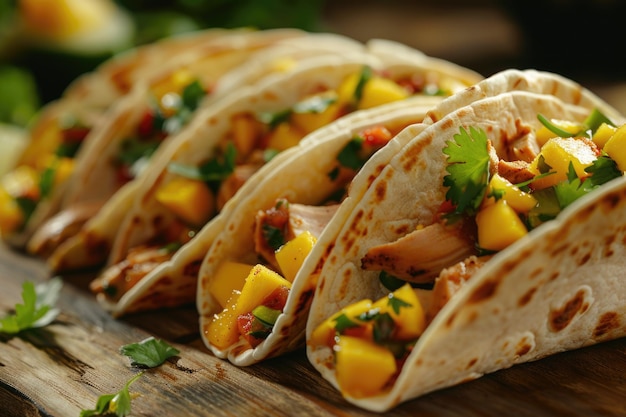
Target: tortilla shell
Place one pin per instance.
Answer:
(556, 289)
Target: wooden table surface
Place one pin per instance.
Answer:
(64, 367)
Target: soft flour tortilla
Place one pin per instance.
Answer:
(175, 283)
(567, 271)
(301, 178)
(225, 65)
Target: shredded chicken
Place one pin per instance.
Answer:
(451, 280)
(524, 149)
(515, 172)
(118, 279)
(421, 255)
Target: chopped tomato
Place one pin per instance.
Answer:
(74, 134)
(376, 136)
(277, 299)
(146, 124)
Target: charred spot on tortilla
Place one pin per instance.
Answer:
(561, 318)
(607, 322)
(304, 301)
(485, 291)
(536, 273)
(381, 191)
(411, 154)
(192, 268)
(523, 347)
(584, 259)
(350, 237)
(525, 299)
(471, 363)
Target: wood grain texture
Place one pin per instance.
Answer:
(63, 368)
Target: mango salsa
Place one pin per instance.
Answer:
(260, 282)
(602, 135)
(362, 367)
(409, 316)
(191, 200)
(11, 216)
(544, 134)
(558, 153)
(498, 226)
(380, 91)
(292, 254)
(324, 334)
(284, 136)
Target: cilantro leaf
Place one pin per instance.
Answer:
(118, 403)
(343, 322)
(468, 170)
(214, 170)
(349, 155)
(570, 190)
(149, 352)
(37, 308)
(603, 170)
(397, 303)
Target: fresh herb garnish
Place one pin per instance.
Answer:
(149, 352)
(349, 156)
(343, 322)
(365, 76)
(37, 309)
(588, 127)
(314, 104)
(468, 170)
(118, 403)
(214, 170)
(273, 236)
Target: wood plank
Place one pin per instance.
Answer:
(63, 368)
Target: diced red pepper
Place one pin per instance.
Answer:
(74, 134)
(376, 136)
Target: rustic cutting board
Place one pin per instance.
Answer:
(63, 368)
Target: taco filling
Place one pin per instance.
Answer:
(195, 194)
(490, 203)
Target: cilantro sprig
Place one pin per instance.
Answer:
(149, 353)
(468, 170)
(37, 309)
(117, 403)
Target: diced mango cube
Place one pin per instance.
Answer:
(191, 200)
(558, 153)
(62, 170)
(230, 276)
(223, 332)
(616, 147)
(498, 226)
(284, 136)
(246, 130)
(325, 332)
(23, 181)
(378, 91)
(309, 121)
(519, 200)
(543, 134)
(292, 254)
(603, 134)
(11, 216)
(362, 367)
(410, 319)
(260, 282)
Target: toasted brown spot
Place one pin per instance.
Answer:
(554, 276)
(523, 348)
(192, 268)
(525, 299)
(536, 272)
(381, 190)
(607, 322)
(411, 154)
(560, 319)
(584, 259)
(484, 292)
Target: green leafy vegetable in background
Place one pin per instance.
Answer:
(118, 403)
(149, 353)
(20, 100)
(37, 309)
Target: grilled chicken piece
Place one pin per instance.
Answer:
(450, 282)
(118, 279)
(288, 221)
(60, 227)
(422, 254)
(515, 172)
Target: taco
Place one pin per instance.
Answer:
(32, 191)
(157, 109)
(224, 148)
(493, 238)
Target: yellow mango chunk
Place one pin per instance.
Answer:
(222, 332)
(173, 83)
(62, 170)
(558, 153)
(245, 130)
(498, 226)
(61, 19)
(519, 200)
(543, 134)
(616, 147)
(23, 181)
(284, 136)
(292, 254)
(378, 91)
(11, 216)
(260, 282)
(362, 368)
(347, 88)
(603, 134)
(410, 319)
(191, 200)
(324, 333)
(310, 121)
(230, 276)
